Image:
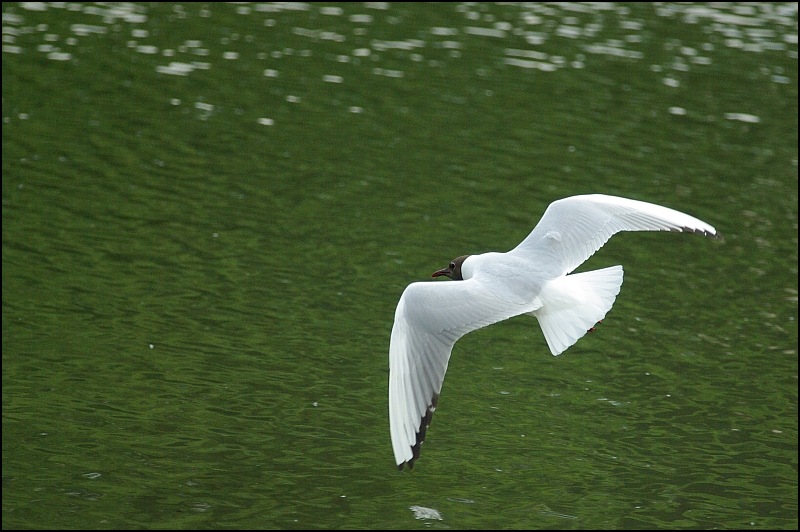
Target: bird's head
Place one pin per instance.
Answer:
(453, 269)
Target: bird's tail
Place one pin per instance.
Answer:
(573, 304)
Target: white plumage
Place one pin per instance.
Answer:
(530, 279)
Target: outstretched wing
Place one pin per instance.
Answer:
(430, 317)
(572, 229)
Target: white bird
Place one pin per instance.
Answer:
(530, 279)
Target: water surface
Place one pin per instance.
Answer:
(210, 212)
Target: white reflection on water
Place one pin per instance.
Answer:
(544, 38)
(743, 117)
(421, 512)
(534, 25)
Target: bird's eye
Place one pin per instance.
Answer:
(453, 265)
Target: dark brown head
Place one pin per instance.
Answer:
(453, 270)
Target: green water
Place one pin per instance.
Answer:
(210, 212)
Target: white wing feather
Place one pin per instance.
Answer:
(430, 317)
(572, 229)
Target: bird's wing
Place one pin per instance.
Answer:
(430, 317)
(572, 229)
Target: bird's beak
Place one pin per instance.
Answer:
(444, 271)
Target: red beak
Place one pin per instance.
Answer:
(443, 271)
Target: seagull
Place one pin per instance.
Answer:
(533, 278)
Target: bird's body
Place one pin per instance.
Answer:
(530, 279)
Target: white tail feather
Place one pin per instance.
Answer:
(573, 304)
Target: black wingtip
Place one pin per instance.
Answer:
(423, 428)
(698, 231)
(703, 232)
(410, 464)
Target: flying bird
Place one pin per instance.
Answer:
(533, 278)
